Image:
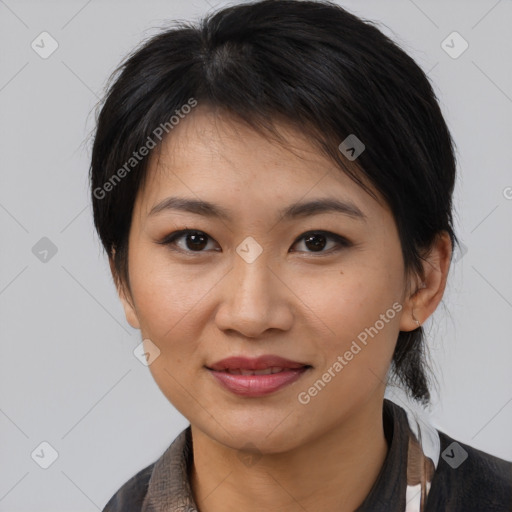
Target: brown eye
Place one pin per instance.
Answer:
(187, 240)
(196, 241)
(190, 241)
(316, 241)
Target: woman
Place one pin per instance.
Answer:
(274, 191)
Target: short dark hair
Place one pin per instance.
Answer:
(312, 64)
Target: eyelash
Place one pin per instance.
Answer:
(170, 239)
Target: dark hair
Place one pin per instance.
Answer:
(312, 64)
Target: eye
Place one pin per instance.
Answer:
(316, 241)
(193, 240)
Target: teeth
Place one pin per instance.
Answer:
(266, 371)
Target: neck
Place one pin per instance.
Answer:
(334, 472)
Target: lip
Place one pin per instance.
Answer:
(258, 363)
(257, 385)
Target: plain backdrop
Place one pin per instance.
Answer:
(68, 373)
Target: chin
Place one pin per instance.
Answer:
(259, 434)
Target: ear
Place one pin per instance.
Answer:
(124, 295)
(428, 289)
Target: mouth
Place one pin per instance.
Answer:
(267, 371)
(265, 362)
(257, 377)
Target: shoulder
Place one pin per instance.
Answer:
(468, 479)
(131, 494)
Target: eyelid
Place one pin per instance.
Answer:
(175, 235)
(342, 241)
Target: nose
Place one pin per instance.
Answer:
(254, 300)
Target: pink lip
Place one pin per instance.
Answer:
(256, 385)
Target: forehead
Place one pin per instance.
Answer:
(212, 154)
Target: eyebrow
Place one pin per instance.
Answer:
(298, 210)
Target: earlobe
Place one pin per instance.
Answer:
(429, 290)
(129, 311)
(129, 308)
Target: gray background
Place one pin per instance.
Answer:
(68, 374)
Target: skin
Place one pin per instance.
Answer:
(201, 306)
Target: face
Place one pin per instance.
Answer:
(321, 287)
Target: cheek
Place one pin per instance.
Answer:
(356, 316)
(345, 303)
(168, 304)
(174, 307)
(165, 292)
(360, 325)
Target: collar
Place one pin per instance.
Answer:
(402, 485)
